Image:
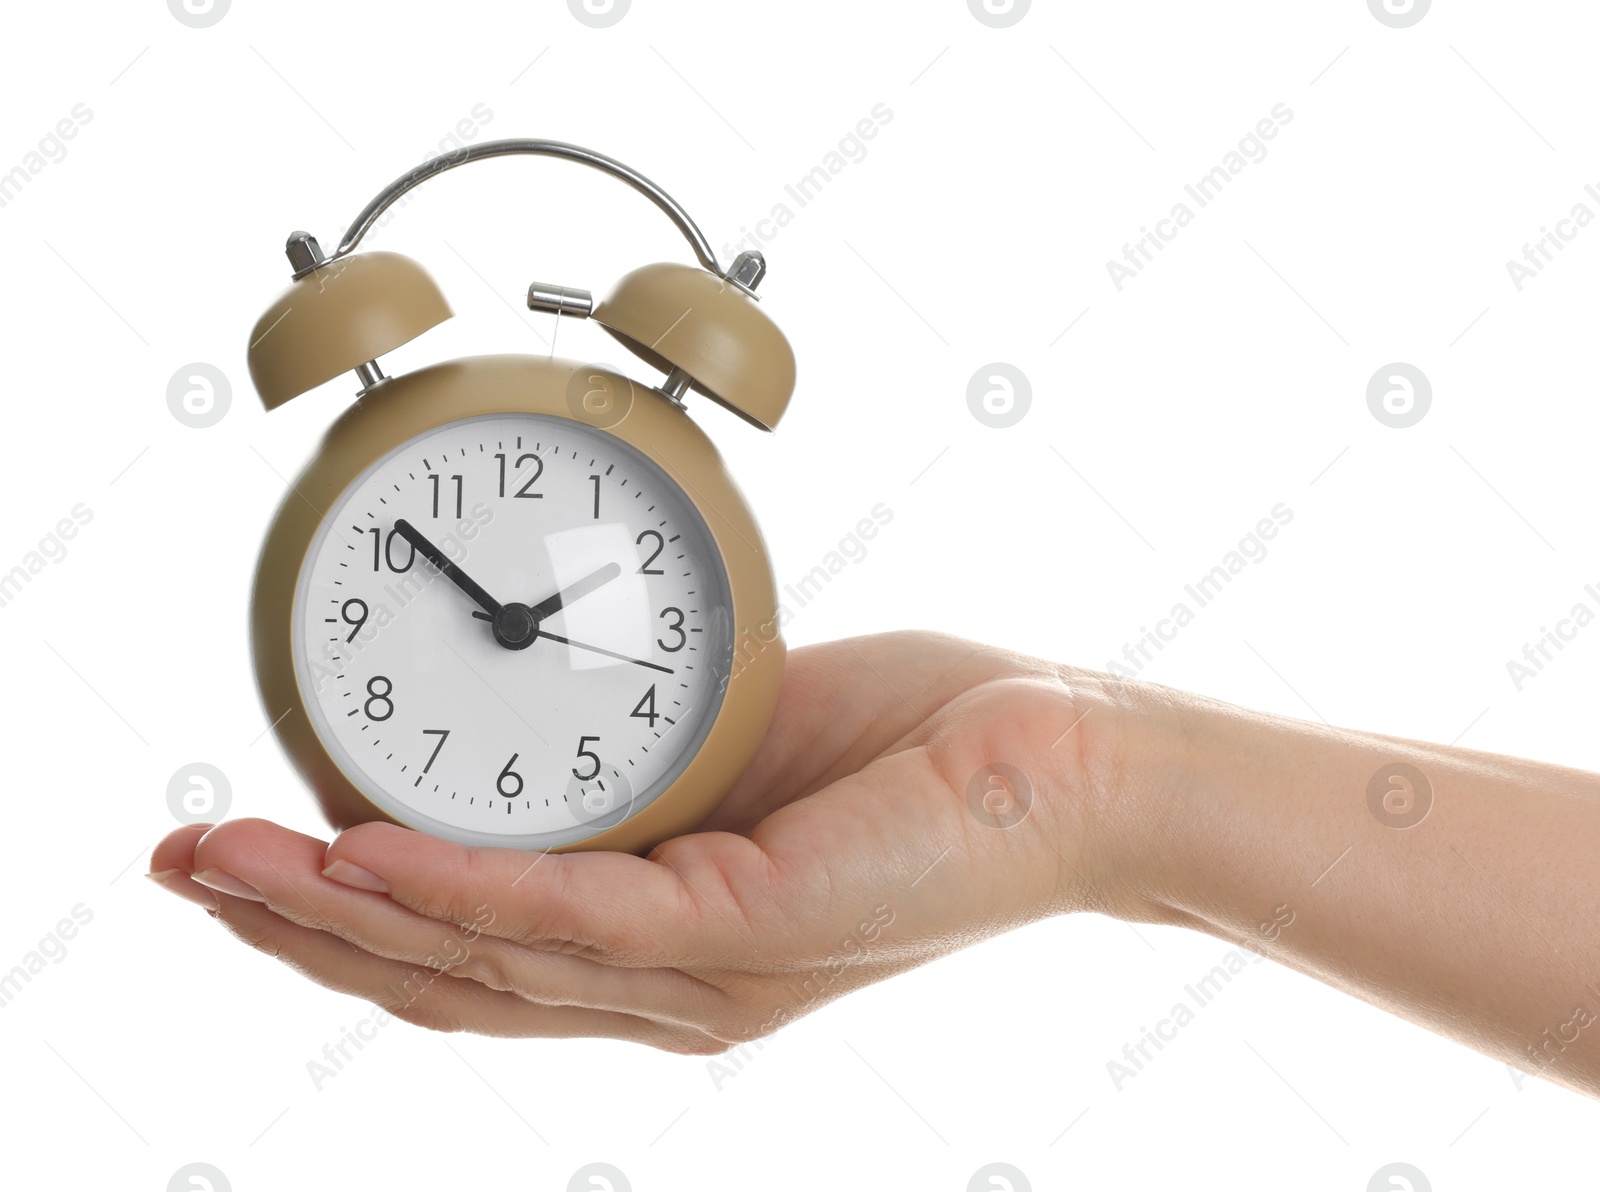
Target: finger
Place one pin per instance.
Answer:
(424, 997)
(554, 979)
(235, 858)
(681, 907)
(284, 869)
(256, 860)
(176, 850)
(172, 862)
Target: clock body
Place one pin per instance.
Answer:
(653, 668)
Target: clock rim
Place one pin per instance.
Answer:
(406, 406)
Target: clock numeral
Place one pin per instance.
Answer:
(357, 621)
(435, 478)
(645, 709)
(675, 627)
(531, 481)
(383, 551)
(374, 696)
(444, 735)
(661, 545)
(512, 775)
(594, 759)
(596, 480)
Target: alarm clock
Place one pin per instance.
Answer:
(518, 600)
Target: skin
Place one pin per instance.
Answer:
(867, 838)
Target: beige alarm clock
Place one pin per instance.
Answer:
(518, 600)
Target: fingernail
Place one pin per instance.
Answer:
(347, 874)
(177, 881)
(218, 879)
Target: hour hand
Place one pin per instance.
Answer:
(449, 570)
(551, 605)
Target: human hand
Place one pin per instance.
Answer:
(851, 850)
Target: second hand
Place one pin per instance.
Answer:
(567, 641)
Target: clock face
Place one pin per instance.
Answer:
(513, 630)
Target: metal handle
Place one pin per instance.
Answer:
(588, 157)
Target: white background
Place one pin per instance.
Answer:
(1226, 378)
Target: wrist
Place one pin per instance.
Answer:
(1139, 752)
(1220, 818)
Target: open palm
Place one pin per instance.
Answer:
(850, 850)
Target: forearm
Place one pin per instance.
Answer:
(1477, 920)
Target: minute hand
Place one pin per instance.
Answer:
(446, 568)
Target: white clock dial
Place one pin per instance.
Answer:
(575, 704)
